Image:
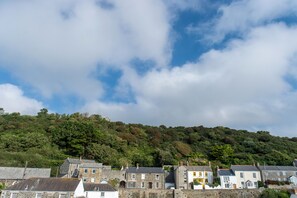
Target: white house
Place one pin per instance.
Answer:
(45, 187)
(247, 176)
(93, 190)
(227, 178)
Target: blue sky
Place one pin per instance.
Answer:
(173, 62)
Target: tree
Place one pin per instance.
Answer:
(223, 153)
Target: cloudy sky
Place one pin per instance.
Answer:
(173, 62)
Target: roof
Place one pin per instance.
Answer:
(244, 168)
(198, 168)
(144, 170)
(46, 184)
(15, 173)
(79, 161)
(98, 187)
(91, 165)
(225, 172)
(277, 168)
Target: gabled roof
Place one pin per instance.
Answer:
(144, 170)
(46, 184)
(79, 161)
(15, 173)
(98, 187)
(244, 168)
(277, 168)
(198, 168)
(225, 172)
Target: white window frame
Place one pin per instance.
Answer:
(254, 175)
(241, 175)
(102, 194)
(38, 195)
(133, 176)
(157, 177)
(142, 176)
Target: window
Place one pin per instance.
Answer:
(241, 175)
(142, 185)
(62, 195)
(84, 179)
(200, 174)
(226, 179)
(242, 184)
(93, 171)
(157, 177)
(194, 173)
(92, 180)
(254, 175)
(133, 176)
(13, 195)
(102, 194)
(205, 174)
(38, 195)
(86, 170)
(157, 184)
(256, 184)
(226, 185)
(142, 176)
(131, 184)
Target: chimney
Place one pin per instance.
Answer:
(127, 166)
(209, 163)
(137, 166)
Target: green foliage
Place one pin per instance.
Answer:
(47, 139)
(223, 153)
(271, 193)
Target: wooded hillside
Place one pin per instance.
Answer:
(47, 139)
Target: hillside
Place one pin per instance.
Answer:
(47, 139)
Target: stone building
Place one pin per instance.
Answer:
(145, 177)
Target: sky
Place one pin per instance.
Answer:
(229, 63)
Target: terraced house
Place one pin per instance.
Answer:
(145, 177)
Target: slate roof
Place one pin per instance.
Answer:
(46, 185)
(14, 173)
(79, 161)
(145, 170)
(244, 168)
(198, 168)
(91, 165)
(98, 187)
(226, 172)
(277, 168)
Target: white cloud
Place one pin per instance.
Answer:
(12, 99)
(56, 45)
(240, 16)
(241, 86)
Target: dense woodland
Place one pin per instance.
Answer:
(45, 140)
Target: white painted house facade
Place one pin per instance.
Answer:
(227, 178)
(247, 176)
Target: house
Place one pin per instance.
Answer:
(144, 177)
(70, 167)
(293, 180)
(247, 176)
(102, 190)
(88, 170)
(227, 179)
(277, 173)
(46, 187)
(10, 175)
(188, 176)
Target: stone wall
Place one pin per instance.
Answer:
(139, 193)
